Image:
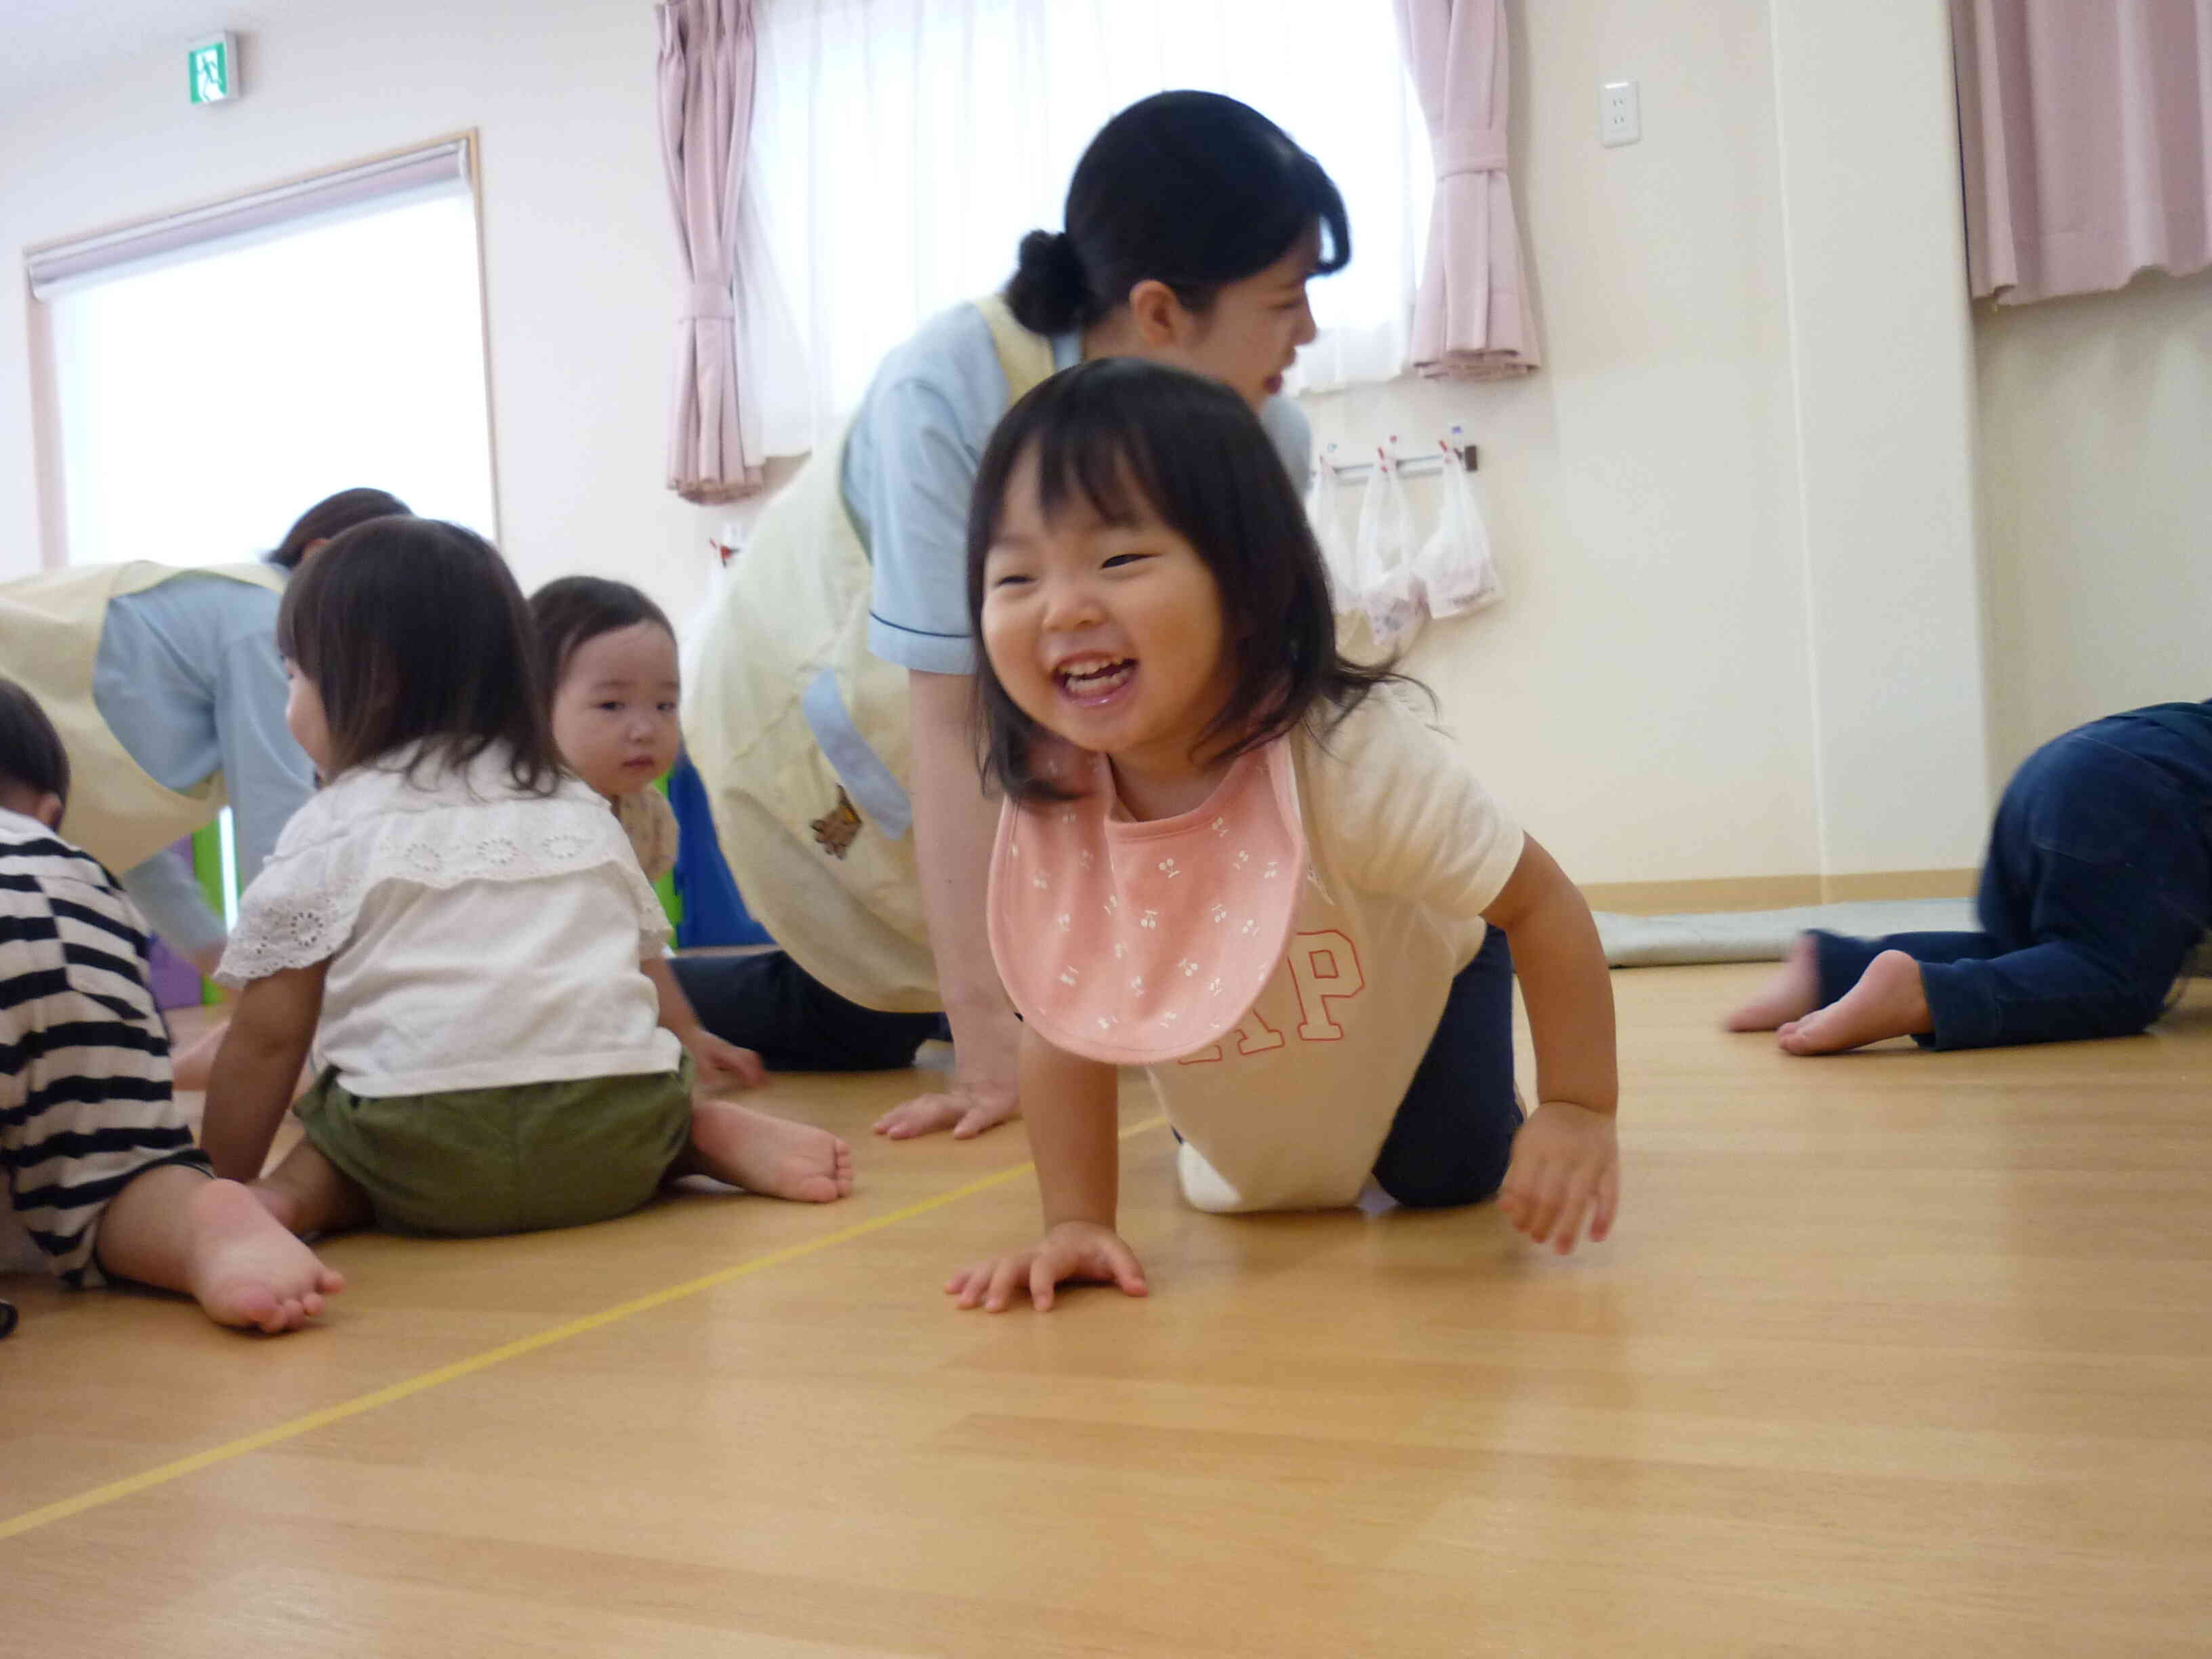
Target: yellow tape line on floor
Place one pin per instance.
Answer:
(163, 1473)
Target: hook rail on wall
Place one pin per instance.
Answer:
(1448, 451)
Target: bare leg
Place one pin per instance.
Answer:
(177, 1229)
(1888, 1001)
(308, 1194)
(771, 1156)
(1792, 993)
(191, 1065)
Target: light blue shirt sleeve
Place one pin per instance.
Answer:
(909, 470)
(189, 680)
(167, 893)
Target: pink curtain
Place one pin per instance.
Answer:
(706, 75)
(2085, 129)
(1471, 318)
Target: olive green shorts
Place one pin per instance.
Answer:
(473, 1162)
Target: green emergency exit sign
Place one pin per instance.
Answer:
(213, 68)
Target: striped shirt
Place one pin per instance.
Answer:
(85, 1099)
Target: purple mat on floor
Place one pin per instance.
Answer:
(176, 982)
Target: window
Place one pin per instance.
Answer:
(215, 374)
(901, 148)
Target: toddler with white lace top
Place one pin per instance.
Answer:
(459, 928)
(1232, 856)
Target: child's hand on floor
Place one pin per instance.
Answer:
(1565, 1167)
(965, 1109)
(723, 1067)
(1072, 1249)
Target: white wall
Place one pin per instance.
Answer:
(1681, 497)
(579, 256)
(2096, 492)
(1881, 337)
(1734, 508)
(1639, 695)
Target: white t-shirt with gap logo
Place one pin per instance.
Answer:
(1404, 850)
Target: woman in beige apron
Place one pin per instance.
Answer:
(167, 691)
(829, 717)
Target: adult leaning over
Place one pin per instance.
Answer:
(166, 686)
(830, 716)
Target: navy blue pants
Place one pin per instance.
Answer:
(2097, 887)
(1452, 1135)
(769, 1004)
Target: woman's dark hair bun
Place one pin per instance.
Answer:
(332, 517)
(1190, 189)
(1047, 295)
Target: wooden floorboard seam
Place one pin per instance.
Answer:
(178, 1468)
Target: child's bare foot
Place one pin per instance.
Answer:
(1792, 993)
(1888, 1001)
(771, 1156)
(282, 1207)
(244, 1268)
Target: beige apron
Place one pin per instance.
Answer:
(800, 734)
(50, 633)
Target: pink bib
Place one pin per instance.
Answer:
(1135, 943)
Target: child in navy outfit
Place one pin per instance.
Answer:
(2097, 887)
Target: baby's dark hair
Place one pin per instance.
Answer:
(31, 753)
(1192, 189)
(1134, 441)
(413, 630)
(568, 613)
(332, 517)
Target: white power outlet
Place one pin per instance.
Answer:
(1620, 118)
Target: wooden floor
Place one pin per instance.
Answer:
(1893, 1354)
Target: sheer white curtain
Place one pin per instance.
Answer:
(901, 148)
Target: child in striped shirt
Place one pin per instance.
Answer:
(103, 1178)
